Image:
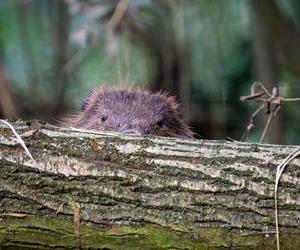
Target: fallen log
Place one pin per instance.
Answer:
(133, 192)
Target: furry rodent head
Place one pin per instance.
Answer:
(131, 111)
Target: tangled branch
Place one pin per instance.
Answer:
(271, 103)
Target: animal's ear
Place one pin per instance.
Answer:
(177, 106)
(179, 111)
(85, 103)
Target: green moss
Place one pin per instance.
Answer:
(45, 233)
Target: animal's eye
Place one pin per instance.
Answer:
(103, 118)
(160, 123)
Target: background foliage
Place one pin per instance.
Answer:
(207, 52)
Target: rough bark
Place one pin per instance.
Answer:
(143, 192)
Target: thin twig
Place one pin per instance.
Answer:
(261, 85)
(82, 53)
(251, 125)
(76, 220)
(279, 172)
(291, 99)
(272, 101)
(266, 128)
(20, 140)
(117, 15)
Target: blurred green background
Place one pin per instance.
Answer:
(206, 52)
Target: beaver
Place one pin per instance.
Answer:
(130, 111)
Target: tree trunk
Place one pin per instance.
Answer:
(266, 69)
(282, 32)
(8, 103)
(137, 192)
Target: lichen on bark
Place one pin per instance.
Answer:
(147, 190)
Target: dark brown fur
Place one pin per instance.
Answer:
(130, 111)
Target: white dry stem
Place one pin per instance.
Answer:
(19, 139)
(279, 171)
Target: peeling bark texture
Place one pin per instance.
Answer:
(138, 192)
